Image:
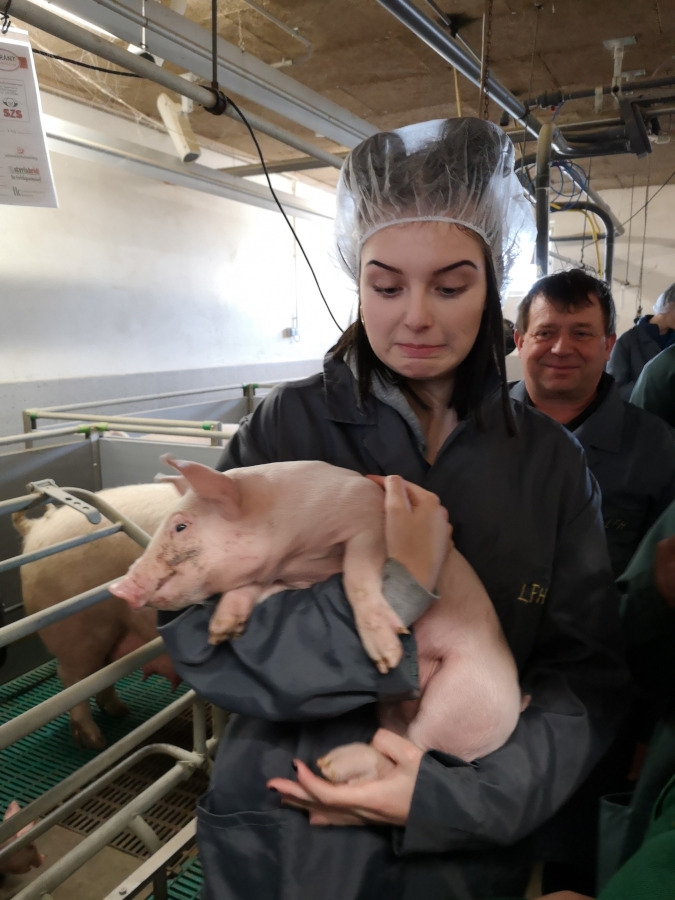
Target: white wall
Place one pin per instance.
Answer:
(135, 275)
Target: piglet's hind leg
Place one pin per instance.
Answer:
(354, 762)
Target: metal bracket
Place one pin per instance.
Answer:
(49, 487)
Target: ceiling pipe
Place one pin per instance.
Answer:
(443, 44)
(557, 98)
(542, 183)
(40, 18)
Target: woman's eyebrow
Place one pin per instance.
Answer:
(455, 265)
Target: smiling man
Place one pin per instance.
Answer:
(565, 331)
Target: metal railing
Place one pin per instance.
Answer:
(70, 793)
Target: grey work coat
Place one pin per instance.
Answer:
(526, 514)
(631, 352)
(631, 453)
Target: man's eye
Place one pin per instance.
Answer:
(180, 527)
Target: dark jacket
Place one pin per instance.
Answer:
(526, 514)
(633, 349)
(632, 455)
(655, 388)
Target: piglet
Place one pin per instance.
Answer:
(251, 532)
(27, 857)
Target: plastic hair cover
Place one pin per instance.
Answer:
(450, 170)
(665, 300)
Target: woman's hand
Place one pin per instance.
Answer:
(385, 801)
(416, 528)
(565, 895)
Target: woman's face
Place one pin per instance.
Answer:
(423, 288)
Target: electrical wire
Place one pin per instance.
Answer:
(283, 211)
(669, 178)
(83, 65)
(214, 85)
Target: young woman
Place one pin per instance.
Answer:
(428, 224)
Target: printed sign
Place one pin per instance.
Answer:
(25, 171)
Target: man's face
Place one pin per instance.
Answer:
(564, 353)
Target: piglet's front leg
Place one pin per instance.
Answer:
(232, 612)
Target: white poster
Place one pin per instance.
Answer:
(25, 171)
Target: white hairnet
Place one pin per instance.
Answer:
(665, 300)
(450, 170)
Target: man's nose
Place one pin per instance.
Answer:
(562, 344)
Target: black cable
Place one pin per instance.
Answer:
(672, 175)
(214, 86)
(74, 62)
(283, 212)
(6, 21)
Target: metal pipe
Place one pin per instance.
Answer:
(556, 98)
(66, 865)
(430, 33)
(37, 435)
(440, 41)
(207, 425)
(542, 183)
(60, 703)
(58, 802)
(604, 216)
(204, 96)
(24, 558)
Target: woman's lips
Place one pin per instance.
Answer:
(419, 350)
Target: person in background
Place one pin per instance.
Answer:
(655, 388)
(428, 222)
(643, 342)
(565, 332)
(638, 838)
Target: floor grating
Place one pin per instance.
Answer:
(39, 761)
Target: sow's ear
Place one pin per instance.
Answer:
(210, 485)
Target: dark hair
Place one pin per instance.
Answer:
(485, 359)
(566, 291)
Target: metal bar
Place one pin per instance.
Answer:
(58, 802)
(33, 623)
(542, 184)
(85, 143)
(145, 833)
(60, 703)
(189, 46)
(89, 417)
(38, 435)
(25, 558)
(145, 873)
(66, 865)
(16, 504)
(115, 401)
(59, 811)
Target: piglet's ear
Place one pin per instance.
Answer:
(210, 484)
(177, 481)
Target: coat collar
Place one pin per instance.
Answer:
(603, 428)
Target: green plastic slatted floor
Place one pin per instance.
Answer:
(37, 762)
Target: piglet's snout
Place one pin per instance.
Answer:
(129, 589)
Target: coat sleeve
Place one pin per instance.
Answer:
(299, 659)
(579, 686)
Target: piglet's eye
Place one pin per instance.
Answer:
(180, 527)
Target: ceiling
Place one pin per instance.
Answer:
(357, 55)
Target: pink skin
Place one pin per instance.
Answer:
(564, 354)
(27, 857)
(422, 289)
(224, 538)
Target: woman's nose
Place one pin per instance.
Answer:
(418, 311)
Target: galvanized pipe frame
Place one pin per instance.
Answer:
(208, 98)
(68, 864)
(14, 562)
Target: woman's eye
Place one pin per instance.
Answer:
(389, 291)
(180, 527)
(449, 291)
